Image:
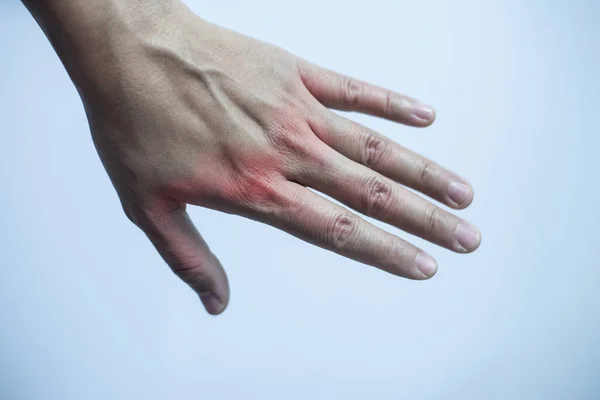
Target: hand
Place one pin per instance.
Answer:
(184, 112)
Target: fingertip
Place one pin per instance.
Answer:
(423, 115)
(468, 237)
(460, 195)
(426, 265)
(433, 116)
(212, 303)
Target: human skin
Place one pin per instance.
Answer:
(182, 111)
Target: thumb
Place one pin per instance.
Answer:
(170, 229)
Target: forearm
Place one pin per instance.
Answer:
(89, 33)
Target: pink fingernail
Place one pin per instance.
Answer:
(426, 264)
(468, 236)
(423, 112)
(458, 191)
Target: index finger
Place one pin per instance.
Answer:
(341, 92)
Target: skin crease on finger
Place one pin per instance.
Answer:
(182, 111)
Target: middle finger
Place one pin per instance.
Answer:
(387, 157)
(379, 197)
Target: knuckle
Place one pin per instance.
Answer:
(352, 92)
(194, 274)
(259, 193)
(390, 101)
(283, 139)
(287, 135)
(432, 219)
(376, 149)
(282, 116)
(342, 230)
(427, 171)
(129, 214)
(377, 196)
(137, 214)
(182, 266)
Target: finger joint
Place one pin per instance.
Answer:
(194, 274)
(389, 103)
(427, 171)
(353, 91)
(377, 196)
(376, 149)
(342, 231)
(432, 219)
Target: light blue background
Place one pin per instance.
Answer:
(88, 310)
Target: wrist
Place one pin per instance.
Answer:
(90, 35)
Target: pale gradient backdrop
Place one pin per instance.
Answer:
(89, 311)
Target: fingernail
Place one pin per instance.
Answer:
(212, 303)
(458, 191)
(423, 112)
(426, 264)
(468, 236)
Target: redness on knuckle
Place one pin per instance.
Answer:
(259, 193)
(342, 229)
(376, 149)
(376, 197)
(352, 92)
